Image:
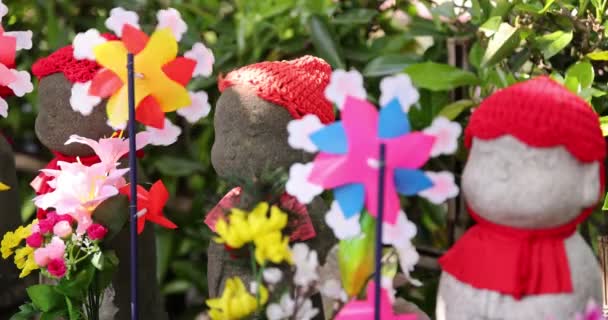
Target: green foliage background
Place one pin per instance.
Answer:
(503, 42)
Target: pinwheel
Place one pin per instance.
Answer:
(150, 205)
(364, 309)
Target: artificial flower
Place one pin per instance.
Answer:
(29, 266)
(199, 108)
(306, 262)
(3, 108)
(272, 275)
(62, 229)
(204, 59)
(21, 256)
(120, 17)
(333, 290)
(12, 239)
(299, 132)
(96, 231)
(22, 83)
(84, 43)
(23, 39)
(57, 267)
(3, 10)
(299, 185)
(443, 188)
(282, 310)
(345, 84)
(356, 257)
(306, 311)
(34, 240)
(400, 236)
(80, 99)
(166, 136)
(172, 19)
(273, 247)
(343, 228)
(150, 205)
(398, 87)
(53, 250)
(236, 302)
(111, 150)
(446, 135)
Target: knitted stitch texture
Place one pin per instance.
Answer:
(296, 85)
(541, 113)
(63, 61)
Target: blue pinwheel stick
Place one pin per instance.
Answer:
(379, 222)
(133, 177)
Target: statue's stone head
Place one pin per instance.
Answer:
(536, 156)
(56, 119)
(252, 114)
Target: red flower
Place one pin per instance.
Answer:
(150, 205)
(34, 240)
(57, 268)
(97, 231)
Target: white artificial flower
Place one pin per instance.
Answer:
(172, 19)
(81, 101)
(333, 289)
(446, 135)
(443, 187)
(282, 310)
(3, 10)
(298, 185)
(400, 87)
(306, 311)
(165, 136)
(408, 258)
(199, 108)
(300, 131)
(400, 233)
(84, 43)
(108, 310)
(342, 84)
(306, 263)
(3, 108)
(204, 59)
(24, 38)
(22, 84)
(272, 275)
(119, 17)
(387, 284)
(343, 228)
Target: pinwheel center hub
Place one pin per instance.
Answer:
(139, 75)
(373, 163)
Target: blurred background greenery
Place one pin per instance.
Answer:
(456, 52)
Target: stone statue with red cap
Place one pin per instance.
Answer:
(251, 119)
(534, 173)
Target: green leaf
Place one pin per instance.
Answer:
(547, 6)
(453, 110)
(475, 55)
(355, 16)
(502, 8)
(113, 214)
(439, 77)
(552, 43)
(76, 287)
(54, 315)
(502, 44)
(324, 43)
(45, 298)
(604, 125)
(490, 27)
(598, 55)
(583, 72)
(176, 287)
(110, 265)
(177, 167)
(97, 260)
(572, 85)
(26, 312)
(388, 64)
(73, 312)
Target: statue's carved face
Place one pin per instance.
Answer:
(57, 121)
(250, 135)
(511, 183)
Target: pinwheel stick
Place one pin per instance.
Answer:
(379, 220)
(133, 184)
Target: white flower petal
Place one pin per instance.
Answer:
(119, 17)
(300, 131)
(399, 87)
(3, 108)
(199, 108)
(282, 310)
(408, 258)
(306, 262)
(306, 311)
(443, 187)
(343, 228)
(117, 126)
(24, 39)
(272, 275)
(400, 233)
(172, 19)
(84, 43)
(3, 10)
(298, 184)
(204, 59)
(165, 136)
(332, 289)
(23, 84)
(81, 101)
(345, 83)
(446, 135)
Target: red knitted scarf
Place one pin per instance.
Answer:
(513, 261)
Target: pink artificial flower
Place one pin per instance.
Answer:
(54, 250)
(110, 150)
(97, 231)
(172, 19)
(46, 225)
(62, 229)
(57, 268)
(34, 240)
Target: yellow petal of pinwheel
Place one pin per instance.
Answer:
(4, 187)
(118, 104)
(113, 56)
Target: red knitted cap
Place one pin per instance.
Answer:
(541, 113)
(63, 61)
(297, 85)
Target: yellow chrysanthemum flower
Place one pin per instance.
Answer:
(243, 227)
(236, 302)
(29, 266)
(4, 187)
(21, 256)
(9, 242)
(24, 232)
(272, 247)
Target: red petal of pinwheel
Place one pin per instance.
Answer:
(180, 70)
(105, 83)
(141, 221)
(8, 50)
(149, 113)
(158, 198)
(162, 221)
(134, 39)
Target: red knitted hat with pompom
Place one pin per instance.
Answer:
(63, 61)
(297, 85)
(541, 113)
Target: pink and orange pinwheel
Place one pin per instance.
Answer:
(150, 205)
